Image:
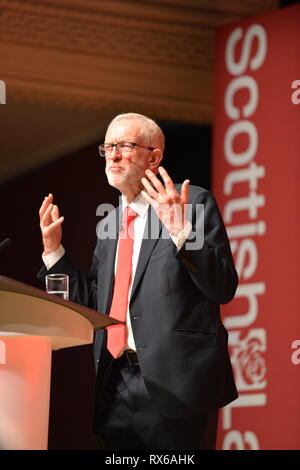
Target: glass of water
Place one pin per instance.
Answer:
(58, 284)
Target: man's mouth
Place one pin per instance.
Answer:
(115, 168)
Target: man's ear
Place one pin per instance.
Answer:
(155, 159)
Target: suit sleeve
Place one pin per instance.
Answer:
(211, 266)
(83, 287)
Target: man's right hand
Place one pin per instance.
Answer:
(50, 223)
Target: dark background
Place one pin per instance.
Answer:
(79, 185)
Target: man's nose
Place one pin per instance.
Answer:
(114, 154)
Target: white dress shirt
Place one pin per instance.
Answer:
(140, 206)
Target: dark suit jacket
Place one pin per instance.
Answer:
(174, 308)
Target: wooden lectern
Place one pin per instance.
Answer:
(32, 324)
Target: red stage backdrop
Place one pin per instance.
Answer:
(256, 179)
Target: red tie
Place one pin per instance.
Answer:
(116, 334)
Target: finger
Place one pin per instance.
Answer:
(167, 180)
(149, 199)
(54, 225)
(185, 191)
(46, 218)
(47, 200)
(155, 181)
(57, 222)
(149, 189)
(55, 213)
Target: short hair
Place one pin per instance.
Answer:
(150, 129)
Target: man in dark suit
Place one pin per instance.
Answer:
(163, 374)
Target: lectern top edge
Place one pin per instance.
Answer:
(98, 320)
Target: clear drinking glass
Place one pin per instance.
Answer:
(58, 284)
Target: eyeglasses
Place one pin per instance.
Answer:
(124, 148)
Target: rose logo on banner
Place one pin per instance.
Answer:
(247, 358)
(2, 92)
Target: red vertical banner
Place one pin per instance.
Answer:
(256, 180)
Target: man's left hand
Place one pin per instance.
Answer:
(170, 206)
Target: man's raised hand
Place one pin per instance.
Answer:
(50, 223)
(170, 206)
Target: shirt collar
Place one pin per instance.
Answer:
(139, 205)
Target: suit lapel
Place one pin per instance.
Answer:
(151, 236)
(108, 265)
